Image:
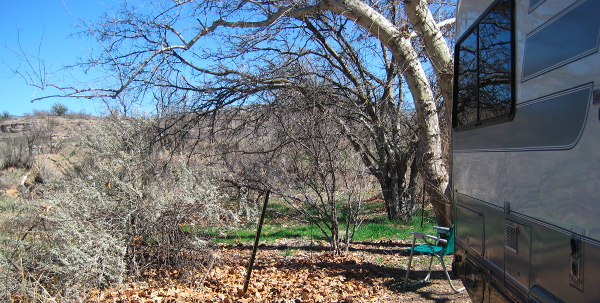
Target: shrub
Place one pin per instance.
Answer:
(117, 212)
(15, 152)
(37, 112)
(19, 150)
(301, 157)
(58, 109)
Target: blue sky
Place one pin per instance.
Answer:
(47, 26)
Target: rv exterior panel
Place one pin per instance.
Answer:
(526, 149)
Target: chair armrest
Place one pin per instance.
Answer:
(423, 236)
(442, 231)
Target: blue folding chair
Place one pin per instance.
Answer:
(438, 251)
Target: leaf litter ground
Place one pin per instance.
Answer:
(293, 272)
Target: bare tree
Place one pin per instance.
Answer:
(209, 54)
(324, 182)
(369, 109)
(295, 149)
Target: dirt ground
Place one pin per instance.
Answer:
(369, 272)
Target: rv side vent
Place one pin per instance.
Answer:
(512, 233)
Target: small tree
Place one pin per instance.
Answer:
(324, 178)
(296, 150)
(59, 109)
(326, 181)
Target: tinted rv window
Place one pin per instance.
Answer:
(483, 71)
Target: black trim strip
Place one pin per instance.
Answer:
(533, 4)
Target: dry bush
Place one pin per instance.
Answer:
(14, 152)
(326, 180)
(19, 150)
(296, 151)
(116, 212)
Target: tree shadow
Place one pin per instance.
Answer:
(367, 272)
(377, 248)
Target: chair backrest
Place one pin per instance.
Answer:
(449, 248)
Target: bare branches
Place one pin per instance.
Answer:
(201, 56)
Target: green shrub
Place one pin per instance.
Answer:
(58, 109)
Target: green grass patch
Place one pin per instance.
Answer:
(376, 228)
(371, 207)
(289, 252)
(378, 231)
(277, 209)
(269, 234)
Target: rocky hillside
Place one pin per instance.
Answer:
(59, 127)
(30, 146)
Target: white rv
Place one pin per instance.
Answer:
(526, 150)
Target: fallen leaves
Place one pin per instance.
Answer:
(304, 277)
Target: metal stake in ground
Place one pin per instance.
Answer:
(256, 239)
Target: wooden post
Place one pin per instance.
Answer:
(256, 240)
(422, 204)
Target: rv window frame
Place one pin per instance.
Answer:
(467, 34)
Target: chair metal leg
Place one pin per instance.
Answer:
(429, 273)
(412, 251)
(421, 281)
(450, 280)
(408, 270)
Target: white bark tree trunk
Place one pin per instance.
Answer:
(436, 47)
(434, 163)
